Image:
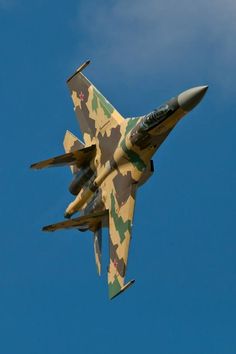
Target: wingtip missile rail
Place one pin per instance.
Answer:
(79, 70)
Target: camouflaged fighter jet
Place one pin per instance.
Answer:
(110, 165)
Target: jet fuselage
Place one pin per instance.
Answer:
(139, 143)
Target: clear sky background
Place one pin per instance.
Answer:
(184, 242)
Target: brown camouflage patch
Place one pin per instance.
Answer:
(108, 144)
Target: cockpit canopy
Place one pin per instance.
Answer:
(155, 117)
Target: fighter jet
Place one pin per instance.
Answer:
(108, 167)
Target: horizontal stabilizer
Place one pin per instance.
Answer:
(118, 291)
(77, 158)
(90, 221)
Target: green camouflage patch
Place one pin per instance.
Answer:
(105, 105)
(94, 101)
(133, 157)
(131, 124)
(120, 225)
(114, 287)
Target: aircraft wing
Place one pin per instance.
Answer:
(120, 202)
(94, 113)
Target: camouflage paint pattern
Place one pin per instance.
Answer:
(119, 166)
(119, 152)
(71, 143)
(78, 158)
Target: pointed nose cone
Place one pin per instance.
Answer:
(190, 98)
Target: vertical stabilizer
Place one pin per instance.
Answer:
(97, 241)
(72, 143)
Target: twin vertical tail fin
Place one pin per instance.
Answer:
(97, 242)
(92, 222)
(71, 143)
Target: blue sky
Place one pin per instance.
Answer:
(184, 242)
